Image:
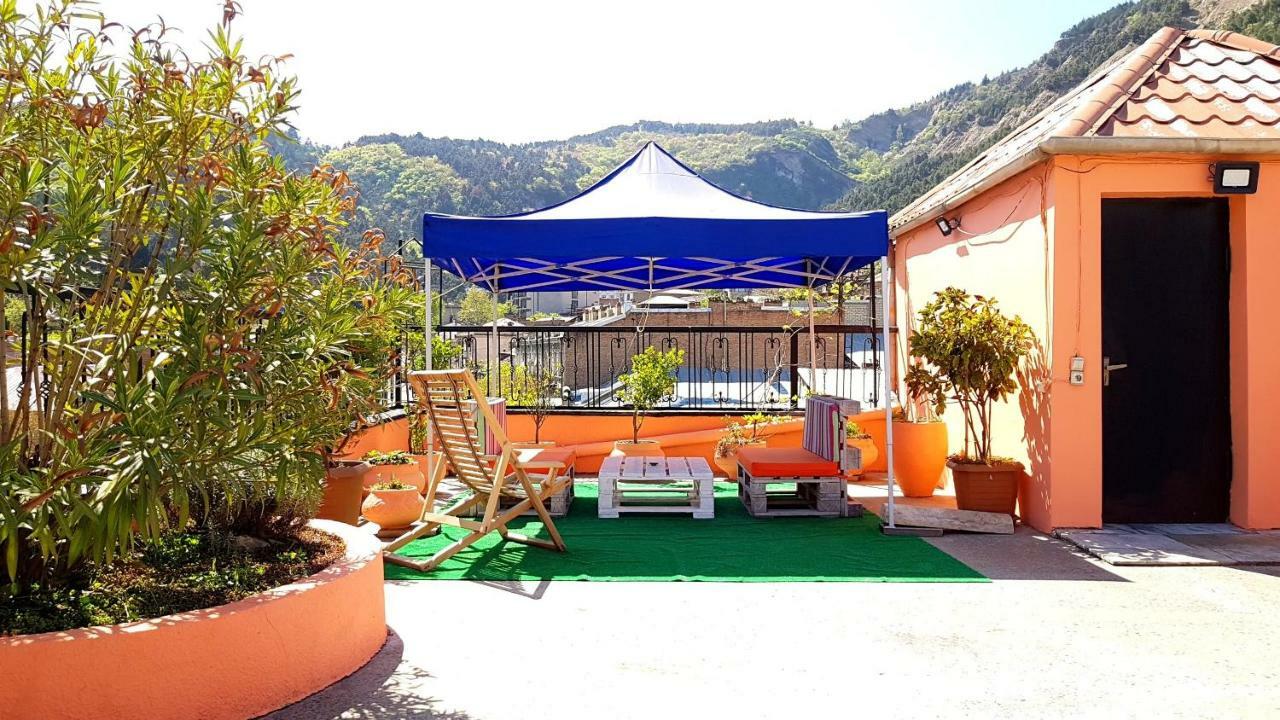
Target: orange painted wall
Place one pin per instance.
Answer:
(1001, 251)
(234, 661)
(593, 435)
(1255, 346)
(1053, 280)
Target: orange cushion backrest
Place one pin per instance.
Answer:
(785, 462)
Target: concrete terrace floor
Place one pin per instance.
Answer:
(1055, 635)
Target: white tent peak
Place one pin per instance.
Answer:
(654, 184)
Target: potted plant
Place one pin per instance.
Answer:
(652, 378)
(856, 437)
(972, 351)
(393, 466)
(393, 505)
(747, 432)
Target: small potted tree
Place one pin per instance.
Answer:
(972, 352)
(747, 432)
(652, 378)
(535, 389)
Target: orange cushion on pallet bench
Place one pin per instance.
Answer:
(549, 454)
(785, 462)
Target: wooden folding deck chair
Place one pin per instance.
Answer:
(451, 399)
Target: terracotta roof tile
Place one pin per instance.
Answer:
(1205, 88)
(1178, 84)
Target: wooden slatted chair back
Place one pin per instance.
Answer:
(452, 398)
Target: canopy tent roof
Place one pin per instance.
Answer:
(653, 223)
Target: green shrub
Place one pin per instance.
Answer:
(652, 378)
(392, 457)
(196, 342)
(971, 352)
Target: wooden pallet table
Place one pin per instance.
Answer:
(656, 485)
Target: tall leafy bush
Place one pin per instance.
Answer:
(193, 341)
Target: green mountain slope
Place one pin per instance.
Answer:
(882, 161)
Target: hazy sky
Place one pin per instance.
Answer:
(519, 71)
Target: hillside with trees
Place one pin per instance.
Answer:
(881, 161)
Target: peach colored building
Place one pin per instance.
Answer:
(1098, 223)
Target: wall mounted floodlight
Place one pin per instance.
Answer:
(1234, 178)
(947, 226)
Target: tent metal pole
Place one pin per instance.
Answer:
(885, 372)
(813, 349)
(427, 310)
(493, 343)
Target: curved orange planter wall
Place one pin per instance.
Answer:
(233, 661)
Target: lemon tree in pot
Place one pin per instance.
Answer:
(652, 378)
(972, 352)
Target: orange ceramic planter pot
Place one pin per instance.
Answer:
(410, 474)
(343, 489)
(424, 465)
(870, 453)
(393, 509)
(644, 448)
(919, 455)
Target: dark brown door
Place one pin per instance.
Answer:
(1166, 414)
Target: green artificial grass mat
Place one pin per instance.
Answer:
(733, 547)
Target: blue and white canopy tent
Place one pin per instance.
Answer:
(655, 224)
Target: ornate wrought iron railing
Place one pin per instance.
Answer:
(574, 368)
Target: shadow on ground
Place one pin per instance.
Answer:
(386, 687)
(1025, 555)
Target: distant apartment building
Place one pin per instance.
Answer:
(566, 302)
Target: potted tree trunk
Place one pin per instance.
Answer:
(972, 351)
(652, 378)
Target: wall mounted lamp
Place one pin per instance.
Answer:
(1234, 178)
(947, 226)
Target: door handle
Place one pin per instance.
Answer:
(1107, 367)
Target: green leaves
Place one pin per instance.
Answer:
(970, 353)
(652, 378)
(187, 338)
